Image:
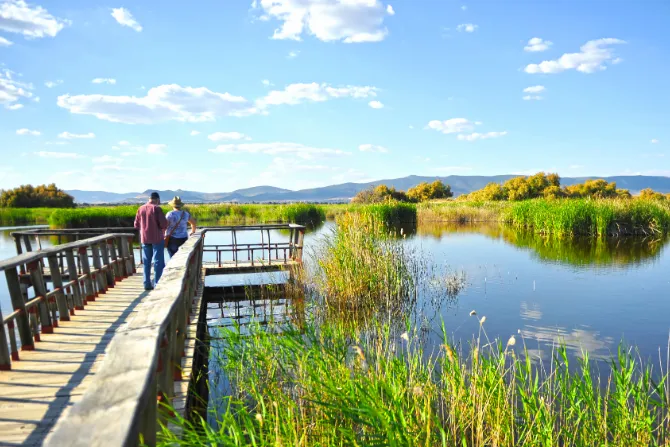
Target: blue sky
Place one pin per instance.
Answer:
(226, 94)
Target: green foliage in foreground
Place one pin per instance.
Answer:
(42, 196)
(336, 386)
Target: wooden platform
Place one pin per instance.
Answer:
(259, 266)
(45, 382)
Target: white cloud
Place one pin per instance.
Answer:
(14, 107)
(654, 141)
(226, 136)
(124, 143)
(592, 57)
(194, 133)
(12, 90)
(162, 103)
(372, 148)
(293, 54)
(106, 159)
(454, 125)
(534, 89)
(28, 132)
(481, 136)
(536, 45)
(5, 43)
(156, 148)
(47, 154)
(104, 81)
(533, 96)
(16, 16)
(314, 92)
(52, 84)
(350, 21)
(266, 82)
(376, 104)
(300, 150)
(72, 136)
(576, 166)
(467, 27)
(125, 18)
(56, 143)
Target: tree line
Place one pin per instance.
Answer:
(420, 193)
(549, 186)
(42, 196)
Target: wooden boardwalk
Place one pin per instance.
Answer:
(46, 381)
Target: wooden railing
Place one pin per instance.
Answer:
(75, 282)
(270, 252)
(141, 364)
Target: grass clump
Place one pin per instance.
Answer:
(336, 386)
(606, 217)
(363, 265)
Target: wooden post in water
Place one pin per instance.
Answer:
(19, 304)
(57, 281)
(40, 288)
(73, 274)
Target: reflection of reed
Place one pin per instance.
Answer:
(574, 251)
(530, 312)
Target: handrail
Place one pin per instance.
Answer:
(141, 363)
(143, 359)
(31, 256)
(113, 260)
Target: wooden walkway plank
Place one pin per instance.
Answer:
(47, 381)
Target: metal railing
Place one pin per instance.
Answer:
(270, 252)
(75, 282)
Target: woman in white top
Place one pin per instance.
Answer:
(178, 220)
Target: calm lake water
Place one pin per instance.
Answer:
(586, 293)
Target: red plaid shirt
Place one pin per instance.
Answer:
(151, 222)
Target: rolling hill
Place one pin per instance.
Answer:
(460, 184)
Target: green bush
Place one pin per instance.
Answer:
(42, 196)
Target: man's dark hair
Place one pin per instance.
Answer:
(155, 196)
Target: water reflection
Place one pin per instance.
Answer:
(577, 251)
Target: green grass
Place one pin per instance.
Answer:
(124, 216)
(363, 266)
(608, 217)
(560, 217)
(337, 385)
(24, 216)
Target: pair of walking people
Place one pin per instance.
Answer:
(155, 228)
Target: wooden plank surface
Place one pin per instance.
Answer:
(47, 381)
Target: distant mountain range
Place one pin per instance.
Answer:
(460, 184)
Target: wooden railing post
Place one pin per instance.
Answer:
(301, 242)
(5, 361)
(131, 253)
(149, 421)
(19, 304)
(57, 281)
(115, 254)
(89, 294)
(77, 295)
(100, 277)
(125, 253)
(109, 269)
(40, 288)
